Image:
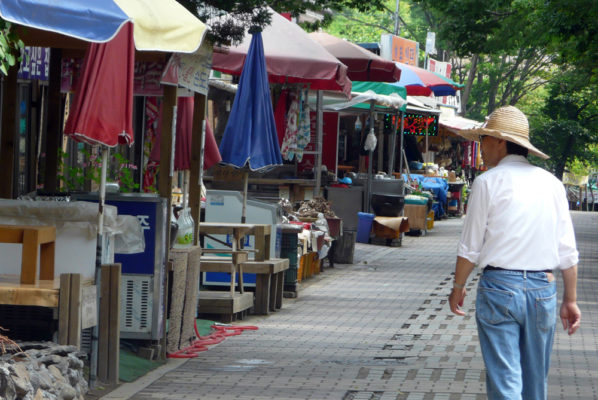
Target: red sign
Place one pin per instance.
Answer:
(329, 143)
(419, 124)
(146, 81)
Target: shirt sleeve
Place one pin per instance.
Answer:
(568, 254)
(472, 236)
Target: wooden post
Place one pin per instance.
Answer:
(179, 259)
(166, 151)
(109, 324)
(69, 310)
(8, 132)
(169, 101)
(262, 244)
(54, 118)
(199, 114)
(191, 295)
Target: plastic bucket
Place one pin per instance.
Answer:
(364, 226)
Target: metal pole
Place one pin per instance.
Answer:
(319, 138)
(393, 145)
(93, 362)
(370, 159)
(402, 128)
(397, 25)
(201, 156)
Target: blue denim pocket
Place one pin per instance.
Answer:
(492, 305)
(546, 312)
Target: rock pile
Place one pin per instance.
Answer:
(43, 371)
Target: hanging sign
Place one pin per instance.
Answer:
(35, 63)
(415, 124)
(190, 71)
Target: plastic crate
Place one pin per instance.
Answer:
(288, 249)
(289, 241)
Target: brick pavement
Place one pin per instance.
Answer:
(380, 329)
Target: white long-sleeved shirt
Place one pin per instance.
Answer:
(518, 218)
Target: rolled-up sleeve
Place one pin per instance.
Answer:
(474, 227)
(568, 254)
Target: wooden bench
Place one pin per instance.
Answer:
(227, 304)
(269, 283)
(38, 242)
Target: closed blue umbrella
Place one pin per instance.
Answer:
(250, 140)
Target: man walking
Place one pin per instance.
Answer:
(519, 230)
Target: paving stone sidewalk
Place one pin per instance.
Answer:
(381, 329)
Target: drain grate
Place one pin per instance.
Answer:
(362, 395)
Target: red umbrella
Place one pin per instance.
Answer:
(184, 127)
(291, 57)
(102, 111)
(421, 82)
(362, 65)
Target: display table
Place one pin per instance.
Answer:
(416, 215)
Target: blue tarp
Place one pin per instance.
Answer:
(438, 186)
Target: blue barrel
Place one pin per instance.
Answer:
(364, 226)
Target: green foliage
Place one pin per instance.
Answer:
(567, 124)
(230, 19)
(579, 167)
(73, 178)
(573, 28)
(367, 26)
(10, 47)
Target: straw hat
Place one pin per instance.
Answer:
(506, 123)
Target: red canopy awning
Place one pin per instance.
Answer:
(363, 65)
(291, 57)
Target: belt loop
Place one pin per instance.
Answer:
(524, 274)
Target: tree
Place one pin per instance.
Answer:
(567, 125)
(230, 19)
(573, 29)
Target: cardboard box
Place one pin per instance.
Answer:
(416, 215)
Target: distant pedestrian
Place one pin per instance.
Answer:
(518, 229)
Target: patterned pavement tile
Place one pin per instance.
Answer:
(380, 329)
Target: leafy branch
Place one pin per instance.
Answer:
(10, 47)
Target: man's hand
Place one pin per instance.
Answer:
(570, 316)
(462, 270)
(456, 299)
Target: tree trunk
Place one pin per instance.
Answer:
(469, 84)
(562, 161)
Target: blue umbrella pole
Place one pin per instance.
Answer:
(245, 187)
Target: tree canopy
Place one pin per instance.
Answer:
(229, 19)
(539, 55)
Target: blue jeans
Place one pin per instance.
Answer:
(516, 318)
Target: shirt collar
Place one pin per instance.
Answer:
(512, 159)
